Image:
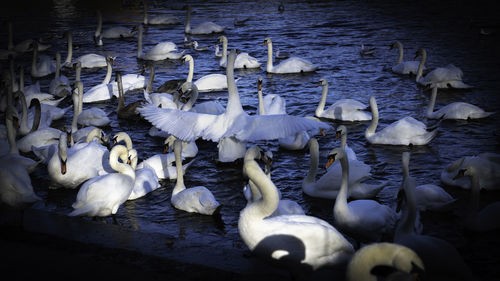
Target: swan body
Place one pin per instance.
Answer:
(344, 109)
(292, 239)
(161, 51)
(92, 61)
(449, 76)
(243, 60)
(487, 167)
(405, 131)
(146, 179)
(404, 67)
(38, 138)
(290, 65)
(207, 83)
(162, 165)
(455, 110)
(403, 259)
(41, 66)
(93, 116)
(158, 19)
(103, 195)
(16, 189)
(207, 27)
(59, 86)
(114, 32)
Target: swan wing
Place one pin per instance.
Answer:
(294, 65)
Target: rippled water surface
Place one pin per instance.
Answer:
(327, 33)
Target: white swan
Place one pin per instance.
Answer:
(16, 189)
(59, 86)
(87, 61)
(487, 167)
(33, 92)
(70, 167)
(146, 179)
(92, 116)
(41, 66)
(233, 123)
(344, 109)
(197, 199)
(486, 218)
(102, 91)
(404, 67)
(207, 27)
(295, 240)
(243, 60)
(290, 65)
(405, 131)
(32, 120)
(114, 32)
(405, 262)
(449, 76)
(159, 99)
(207, 83)
(190, 91)
(366, 220)
(455, 110)
(442, 261)
(161, 51)
(103, 195)
(158, 19)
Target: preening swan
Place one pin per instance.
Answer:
(243, 60)
(366, 220)
(405, 262)
(290, 65)
(405, 131)
(344, 109)
(404, 67)
(103, 195)
(441, 259)
(455, 110)
(487, 167)
(295, 240)
(449, 76)
(197, 199)
(161, 51)
(207, 27)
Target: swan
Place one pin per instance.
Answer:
(33, 92)
(363, 51)
(341, 134)
(405, 262)
(16, 189)
(92, 116)
(405, 131)
(442, 261)
(115, 32)
(233, 125)
(328, 185)
(449, 76)
(404, 67)
(486, 218)
(217, 52)
(290, 65)
(103, 195)
(207, 27)
(198, 47)
(103, 91)
(70, 167)
(161, 51)
(87, 61)
(146, 179)
(59, 86)
(207, 83)
(487, 166)
(32, 120)
(190, 90)
(292, 239)
(243, 60)
(455, 110)
(252, 193)
(123, 111)
(344, 109)
(366, 220)
(41, 66)
(196, 199)
(158, 19)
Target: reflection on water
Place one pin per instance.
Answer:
(329, 34)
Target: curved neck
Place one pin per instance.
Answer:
(420, 69)
(108, 72)
(400, 51)
(121, 100)
(270, 196)
(192, 98)
(120, 152)
(179, 185)
(94, 134)
(432, 102)
(70, 49)
(374, 123)
(233, 101)
(322, 102)
(314, 161)
(269, 66)
(191, 70)
(341, 200)
(38, 115)
(343, 141)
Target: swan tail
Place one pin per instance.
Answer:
(477, 115)
(429, 136)
(87, 209)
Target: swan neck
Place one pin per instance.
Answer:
(149, 87)
(374, 123)
(121, 100)
(233, 102)
(139, 43)
(314, 161)
(191, 71)
(24, 114)
(187, 27)
(420, 69)
(269, 66)
(341, 200)
(407, 222)
(78, 71)
(121, 168)
(108, 72)
(322, 102)
(262, 110)
(37, 117)
(432, 102)
(270, 196)
(223, 58)
(99, 25)
(58, 66)
(254, 191)
(21, 80)
(74, 123)
(343, 141)
(145, 20)
(400, 51)
(70, 49)
(179, 186)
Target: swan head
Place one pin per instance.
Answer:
(266, 41)
(169, 143)
(341, 131)
(259, 83)
(421, 52)
(132, 156)
(322, 82)
(396, 44)
(221, 39)
(187, 58)
(119, 137)
(334, 155)
(468, 171)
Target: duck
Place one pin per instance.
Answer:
(208, 83)
(406, 131)
(366, 220)
(344, 109)
(295, 240)
(445, 77)
(404, 67)
(290, 65)
(41, 66)
(486, 166)
(486, 218)
(234, 123)
(207, 27)
(441, 259)
(101, 196)
(115, 32)
(161, 51)
(59, 86)
(123, 111)
(197, 199)
(454, 110)
(161, 19)
(243, 60)
(146, 179)
(405, 264)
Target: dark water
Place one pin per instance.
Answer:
(327, 33)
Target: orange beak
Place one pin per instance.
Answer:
(322, 132)
(329, 162)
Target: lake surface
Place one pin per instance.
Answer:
(328, 34)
